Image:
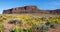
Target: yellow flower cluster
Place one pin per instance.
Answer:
(28, 20)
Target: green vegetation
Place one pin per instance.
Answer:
(1, 28)
(29, 23)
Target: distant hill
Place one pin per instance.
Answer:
(30, 9)
(57, 11)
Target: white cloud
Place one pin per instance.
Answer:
(54, 3)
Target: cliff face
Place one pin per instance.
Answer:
(26, 9)
(57, 11)
(29, 9)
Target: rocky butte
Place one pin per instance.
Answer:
(30, 9)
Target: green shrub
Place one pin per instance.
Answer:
(1, 28)
(1, 20)
(21, 30)
(53, 25)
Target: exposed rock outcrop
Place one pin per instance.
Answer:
(57, 11)
(26, 9)
(30, 9)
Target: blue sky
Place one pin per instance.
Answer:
(42, 4)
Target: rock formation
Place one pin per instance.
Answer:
(26, 9)
(57, 11)
(30, 9)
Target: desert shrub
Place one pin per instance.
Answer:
(1, 20)
(53, 24)
(43, 28)
(1, 28)
(16, 22)
(16, 29)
